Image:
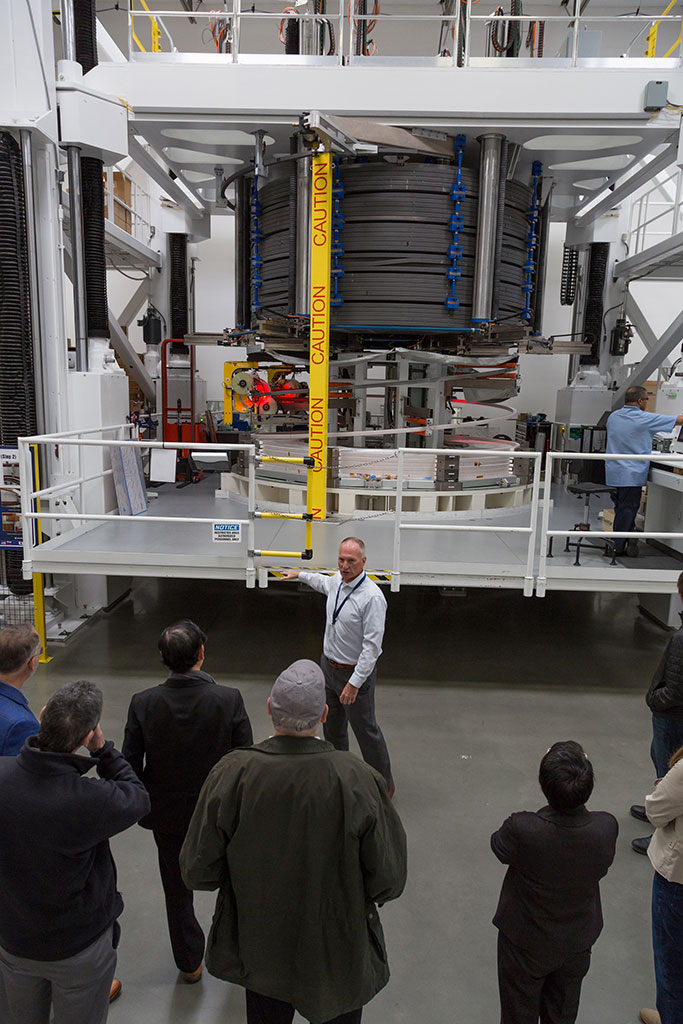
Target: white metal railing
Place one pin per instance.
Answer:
(30, 514)
(133, 217)
(226, 28)
(661, 204)
(547, 533)
(531, 530)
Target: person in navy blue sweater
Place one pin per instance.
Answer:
(19, 653)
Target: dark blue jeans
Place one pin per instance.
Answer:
(626, 504)
(667, 737)
(667, 943)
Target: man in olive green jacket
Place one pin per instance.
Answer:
(303, 843)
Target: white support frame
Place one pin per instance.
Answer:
(78, 439)
(530, 530)
(569, 574)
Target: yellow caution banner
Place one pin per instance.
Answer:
(321, 255)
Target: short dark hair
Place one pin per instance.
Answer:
(566, 776)
(635, 394)
(18, 644)
(69, 715)
(180, 644)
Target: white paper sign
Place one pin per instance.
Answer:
(226, 532)
(162, 465)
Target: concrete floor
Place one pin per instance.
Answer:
(472, 692)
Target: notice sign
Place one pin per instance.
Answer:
(230, 533)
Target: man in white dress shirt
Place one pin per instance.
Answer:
(356, 610)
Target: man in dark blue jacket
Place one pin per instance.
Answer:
(549, 913)
(175, 734)
(60, 904)
(19, 653)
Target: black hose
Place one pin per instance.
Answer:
(86, 34)
(17, 384)
(177, 255)
(92, 198)
(592, 319)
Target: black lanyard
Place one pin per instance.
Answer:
(337, 611)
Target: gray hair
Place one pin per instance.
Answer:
(69, 715)
(18, 644)
(281, 721)
(355, 540)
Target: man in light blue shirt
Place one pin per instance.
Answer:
(356, 611)
(19, 653)
(630, 431)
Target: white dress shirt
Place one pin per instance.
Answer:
(356, 637)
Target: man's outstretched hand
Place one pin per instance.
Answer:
(291, 574)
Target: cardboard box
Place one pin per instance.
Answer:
(608, 519)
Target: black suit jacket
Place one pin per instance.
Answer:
(175, 734)
(550, 899)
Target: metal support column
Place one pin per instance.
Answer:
(50, 292)
(485, 256)
(32, 246)
(303, 231)
(73, 154)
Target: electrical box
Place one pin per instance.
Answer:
(655, 95)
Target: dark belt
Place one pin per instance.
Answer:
(335, 664)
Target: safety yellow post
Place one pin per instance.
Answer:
(321, 256)
(38, 579)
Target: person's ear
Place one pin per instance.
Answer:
(40, 716)
(86, 739)
(325, 713)
(268, 706)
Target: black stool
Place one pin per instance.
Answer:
(586, 491)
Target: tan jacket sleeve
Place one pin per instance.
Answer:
(666, 801)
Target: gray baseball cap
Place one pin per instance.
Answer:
(299, 691)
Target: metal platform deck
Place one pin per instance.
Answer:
(428, 558)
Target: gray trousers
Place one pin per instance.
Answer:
(361, 715)
(77, 988)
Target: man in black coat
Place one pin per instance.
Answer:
(60, 904)
(665, 701)
(175, 734)
(549, 913)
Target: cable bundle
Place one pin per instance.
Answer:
(17, 387)
(592, 321)
(570, 271)
(177, 251)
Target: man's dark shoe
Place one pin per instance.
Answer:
(638, 811)
(641, 845)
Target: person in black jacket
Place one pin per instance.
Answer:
(175, 734)
(59, 905)
(665, 701)
(549, 913)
